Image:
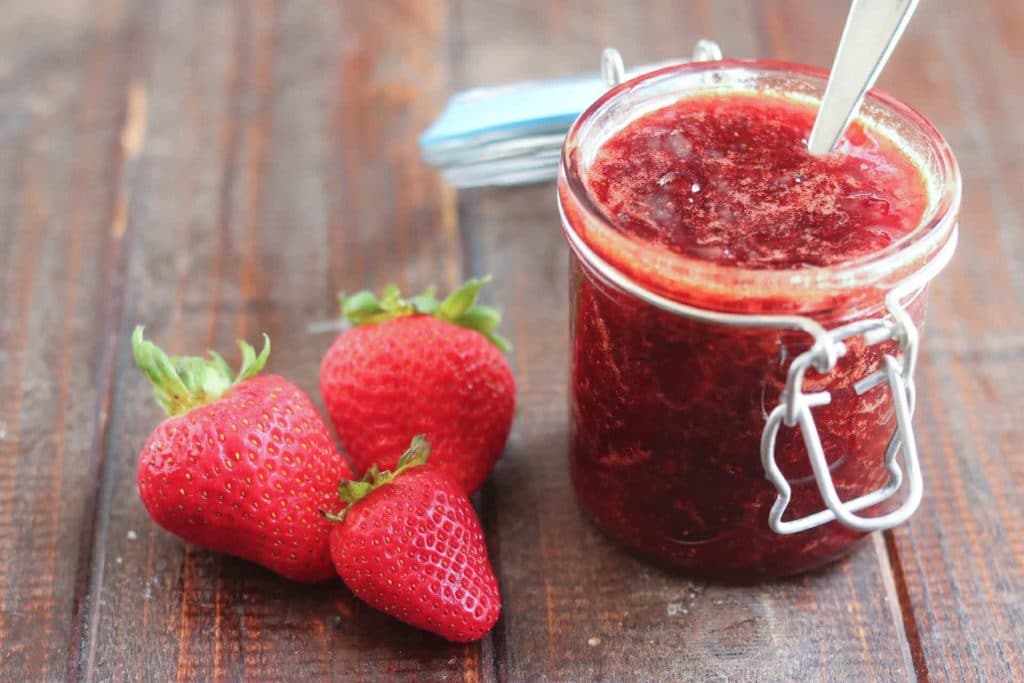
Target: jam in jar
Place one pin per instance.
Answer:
(700, 227)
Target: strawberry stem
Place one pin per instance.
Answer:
(181, 383)
(353, 491)
(460, 308)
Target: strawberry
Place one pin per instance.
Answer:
(243, 464)
(420, 366)
(408, 543)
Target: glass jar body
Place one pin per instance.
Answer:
(666, 419)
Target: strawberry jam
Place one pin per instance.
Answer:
(713, 201)
(728, 179)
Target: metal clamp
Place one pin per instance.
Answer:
(613, 68)
(794, 410)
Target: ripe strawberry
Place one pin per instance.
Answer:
(243, 464)
(409, 544)
(420, 366)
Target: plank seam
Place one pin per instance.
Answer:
(91, 559)
(911, 628)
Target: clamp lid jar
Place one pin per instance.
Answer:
(738, 419)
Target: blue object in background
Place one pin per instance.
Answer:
(513, 134)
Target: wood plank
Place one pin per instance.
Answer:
(959, 566)
(62, 98)
(576, 606)
(162, 159)
(962, 556)
(279, 166)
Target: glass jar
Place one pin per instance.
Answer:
(738, 423)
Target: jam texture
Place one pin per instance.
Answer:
(667, 411)
(728, 179)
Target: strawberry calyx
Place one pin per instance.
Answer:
(459, 308)
(181, 383)
(352, 491)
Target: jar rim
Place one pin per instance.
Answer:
(734, 288)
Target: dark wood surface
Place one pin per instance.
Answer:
(218, 169)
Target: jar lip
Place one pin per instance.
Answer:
(800, 289)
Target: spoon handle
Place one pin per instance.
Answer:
(872, 30)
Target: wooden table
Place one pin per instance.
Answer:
(217, 169)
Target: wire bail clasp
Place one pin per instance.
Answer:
(613, 68)
(794, 410)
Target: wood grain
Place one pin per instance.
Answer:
(62, 98)
(963, 556)
(215, 170)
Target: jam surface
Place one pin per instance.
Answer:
(728, 179)
(667, 411)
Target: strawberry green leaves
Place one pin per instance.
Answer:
(460, 308)
(351, 492)
(181, 383)
(364, 307)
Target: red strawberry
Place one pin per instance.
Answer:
(243, 464)
(409, 544)
(420, 366)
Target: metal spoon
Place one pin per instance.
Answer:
(872, 30)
